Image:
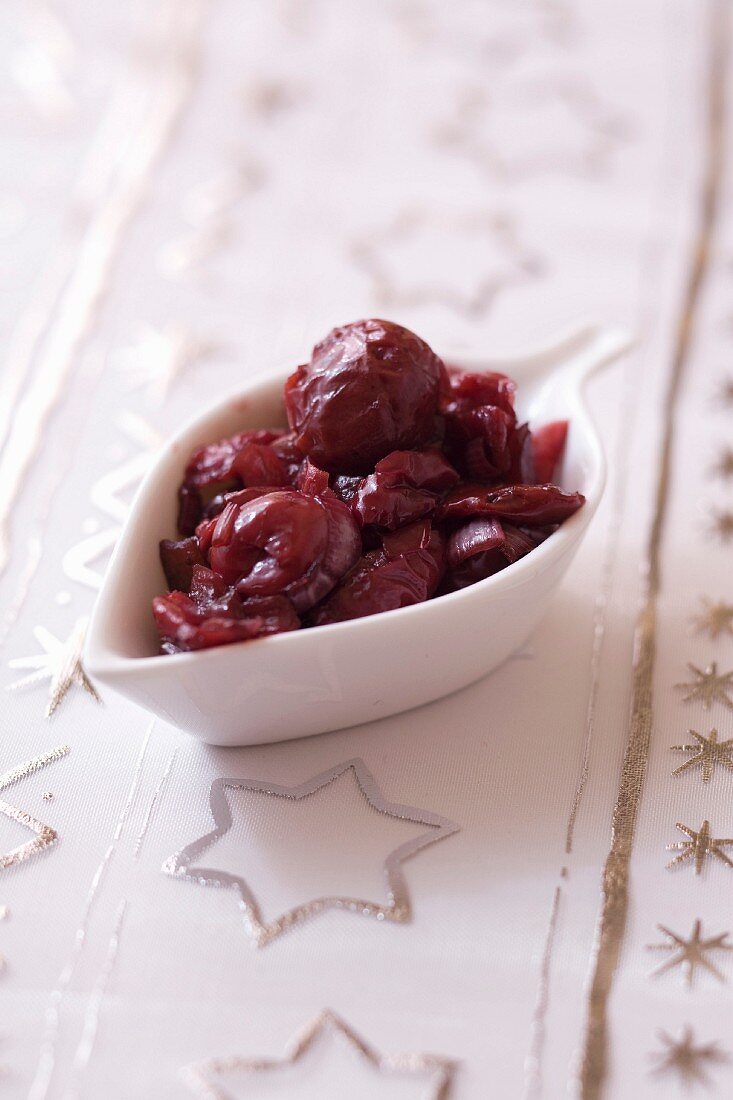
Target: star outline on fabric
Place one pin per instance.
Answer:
(61, 663)
(197, 1075)
(398, 908)
(519, 264)
(45, 836)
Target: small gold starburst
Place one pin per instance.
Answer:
(708, 686)
(723, 525)
(683, 1057)
(715, 618)
(61, 663)
(723, 468)
(700, 845)
(725, 392)
(707, 753)
(691, 953)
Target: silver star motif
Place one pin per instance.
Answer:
(700, 845)
(723, 525)
(547, 106)
(200, 1076)
(61, 663)
(707, 753)
(508, 261)
(690, 953)
(688, 1060)
(182, 864)
(715, 618)
(708, 686)
(160, 356)
(44, 834)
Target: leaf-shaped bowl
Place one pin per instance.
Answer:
(330, 677)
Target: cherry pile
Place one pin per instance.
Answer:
(400, 479)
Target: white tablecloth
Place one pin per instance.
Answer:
(191, 192)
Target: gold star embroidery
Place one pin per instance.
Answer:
(683, 1057)
(707, 753)
(700, 845)
(708, 687)
(724, 466)
(690, 953)
(61, 663)
(716, 618)
(723, 525)
(201, 1076)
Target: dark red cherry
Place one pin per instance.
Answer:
(178, 560)
(285, 542)
(406, 571)
(526, 505)
(404, 487)
(371, 387)
(548, 444)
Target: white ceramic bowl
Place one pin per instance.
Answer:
(330, 677)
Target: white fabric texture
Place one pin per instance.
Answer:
(192, 192)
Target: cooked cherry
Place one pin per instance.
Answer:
(483, 547)
(285, 542)
(178, 560)
(529, 505)
(548, 444)
(404, 487)
(407, 571)
(370, 388)
(183, 625)
(470, 389)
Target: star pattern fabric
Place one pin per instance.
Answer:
(715, 619)
(708, 686)
(690, 954)
(60, 663)
(397, 908)
(437, 1072)
(700, 845)
(706, 753)
(686, 1059)
(44, 834)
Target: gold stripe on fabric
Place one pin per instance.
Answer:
(615, 880)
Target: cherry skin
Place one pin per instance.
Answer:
(370, 388)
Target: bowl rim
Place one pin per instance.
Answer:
(102, 659)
